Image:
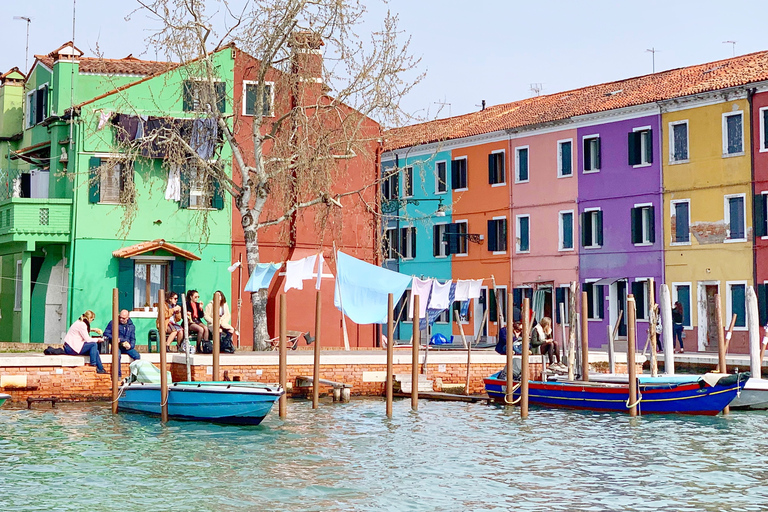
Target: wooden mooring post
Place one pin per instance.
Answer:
(115, 348)
(216, 335)
(653, 312)
(584, 338)
(631, 370)
(415, 355)
(316, 362)
(721, 366)
(525, 370)
(509, 395)
(390, 350)
(282, 404)
(163, 361)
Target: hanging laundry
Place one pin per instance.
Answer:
(440, 296)
(294, 275)
(126, 128)
(422, 288)
(309, 266)
(475, 287)
(462, 290)
(173, 189)
(320, 262)
(104, 117)
(362, 289)
(262, 276)
(432, 314)
(204, 137)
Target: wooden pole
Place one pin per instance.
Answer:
(115, 348)
(730, 333)
(509, 396)
(572, 330)
(631, 370)
(667, 330)
(611, 350)
(390, 350)
(564, 341)
(186, 338)
(469, 349)
(584, 338)
(283, 357)
(163, 363)
(316, 368)
(415, 355)
(216, 335)
(652, 316)
(721, 365)
(525, 370)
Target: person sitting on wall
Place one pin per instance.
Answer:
(173, 331)
(126, 335)
(225, 317)
(78, 342)
(677, 327)
(195, 316)
(543, 343)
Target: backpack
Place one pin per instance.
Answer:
(52, 351)
(225, 343)
(206, 347)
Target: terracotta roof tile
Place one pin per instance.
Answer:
(675, 83)
(129, 65)
(153, 245)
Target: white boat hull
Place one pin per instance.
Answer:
(753, 396)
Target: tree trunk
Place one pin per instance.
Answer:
(258, 299)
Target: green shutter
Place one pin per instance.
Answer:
(452, 237)
(187, 99)
(759, 216)
(94, 193)
(250, 99)
(184, 187)
(125, 276)
(217, 200)
(179, 277)
(221, 96)
(762, 303)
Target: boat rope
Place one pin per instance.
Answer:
(123, 385)
(639, 399)
(512, 394)
(738, 381)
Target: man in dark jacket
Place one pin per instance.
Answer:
(126, 335)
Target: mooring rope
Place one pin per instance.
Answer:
(639, 398)
(514, 388)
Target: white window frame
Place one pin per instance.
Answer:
(729, 303)
(643, 151)
(560, 159)
(506, 242)
(390, 251)
(271, 85)
(645, 236)
(517, 163)
(593, 221)
(561, 232)
(566, 309)
(502, 183)
(646, 306)
(673, 229)
(18, 293)
(27, 102)
(583, 140)
(443, 245)
(437, 178)
(517, 233)
(676, 298)
(763, 129)
(466, 242)
(727, 218)
(672, 124)
(726, 115)
(408, 170)
(466, 171)
(408, 296)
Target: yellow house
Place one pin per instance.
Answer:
(708, 211)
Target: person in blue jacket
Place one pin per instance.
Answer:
(126, 335)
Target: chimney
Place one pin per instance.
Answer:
(66, 69)
(306, 66)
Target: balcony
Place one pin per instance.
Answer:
(35, 220)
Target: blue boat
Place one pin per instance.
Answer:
(707, 395)
(238, 403)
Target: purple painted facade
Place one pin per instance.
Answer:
(616, 189)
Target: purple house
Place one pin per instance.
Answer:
(620, 208)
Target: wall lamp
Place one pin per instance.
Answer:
(393, 205)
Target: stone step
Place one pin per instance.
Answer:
(406, 383)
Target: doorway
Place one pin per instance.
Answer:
(621, 307)
(711, 304)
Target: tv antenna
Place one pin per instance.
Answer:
(443, 104)
(733, 46)
(536, 88)
(653, 51)
(26, 52)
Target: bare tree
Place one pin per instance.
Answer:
(312, 113)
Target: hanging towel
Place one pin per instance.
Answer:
(309, 266)
(104, 117)
(440, 296)
(320, 261)
(462, 290)
(432, 314)
(362, 289)
(262, 276)
(204, 136)
(173, 189)
(422, 289)
(475, 287)
(294, 274)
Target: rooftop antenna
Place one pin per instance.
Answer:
(26, 52)
(536, 88)
(653, 51)
(733, 46)
(443, 104)
(482, 105)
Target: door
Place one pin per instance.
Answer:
(621, 306)
(480, 306)
(711, 292)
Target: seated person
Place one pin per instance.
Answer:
(77, 341)
(173, 331)
(225, 317)
(126, 335)
(195, 316)
(543, 343)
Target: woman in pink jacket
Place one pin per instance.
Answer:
(78, 342)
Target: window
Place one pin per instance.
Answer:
(110, 181)
(733, 133)
(564, 158)
(441, 178)
(199, 190)
(201, 95)
(760, 209)
(462, 228)
(640, 146)
(37, 105)
(737, 302)
(562, 296)
(250, 89)
(496, 168)
(643, 229)
(439, 245)
(683, 296)
(390, 188)
(594, 301)
(735, 220)
(408, 242)
(678, 141)
(566, 231)
(497, 235)
(521, 164)
(592, 228)
(640, 292)
(592, 153)
(390, 243)
(681, 221)
(459, 174)
(497, 298)
(444, 317)
(149, 277)
(19, 289)
(408, 182)
(763, 129)
(523, 238)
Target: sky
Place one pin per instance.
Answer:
(493, 50)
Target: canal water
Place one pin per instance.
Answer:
(445, 457)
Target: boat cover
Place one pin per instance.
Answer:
(146, 372)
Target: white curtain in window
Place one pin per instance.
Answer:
(539, 296)
(140, 286)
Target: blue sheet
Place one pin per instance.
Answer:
(261, 277)
(363, 288)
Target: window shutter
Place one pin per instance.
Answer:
(517, 297)
(759, 216)
(638, 290)
(43, 93)
(636, 218)
(559, 299)
(395, 240)
(599, 227)
(491, 169)
(502, 242)
(179, 277)
(32, 107)
(436, 240)
(587, 154)
(652, 225)
(184, 186)
(600, 301)
(187, 98)
(221, 96)
(39, 104)
(762, 303)
(217, 201)
(591, 290)
(250, 99)
(452, 237)
(403, 242)
(94, 195)
(597, 158)
(586, 228)
(455, 174)
(413, 242)
(125, 277)
(492, 313)
(649, 146)
(491, 235)
(633, 147)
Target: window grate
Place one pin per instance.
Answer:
(44, 215)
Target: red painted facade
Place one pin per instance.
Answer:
(760, 173)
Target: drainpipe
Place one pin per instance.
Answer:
(74, 160)
(750, 94)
